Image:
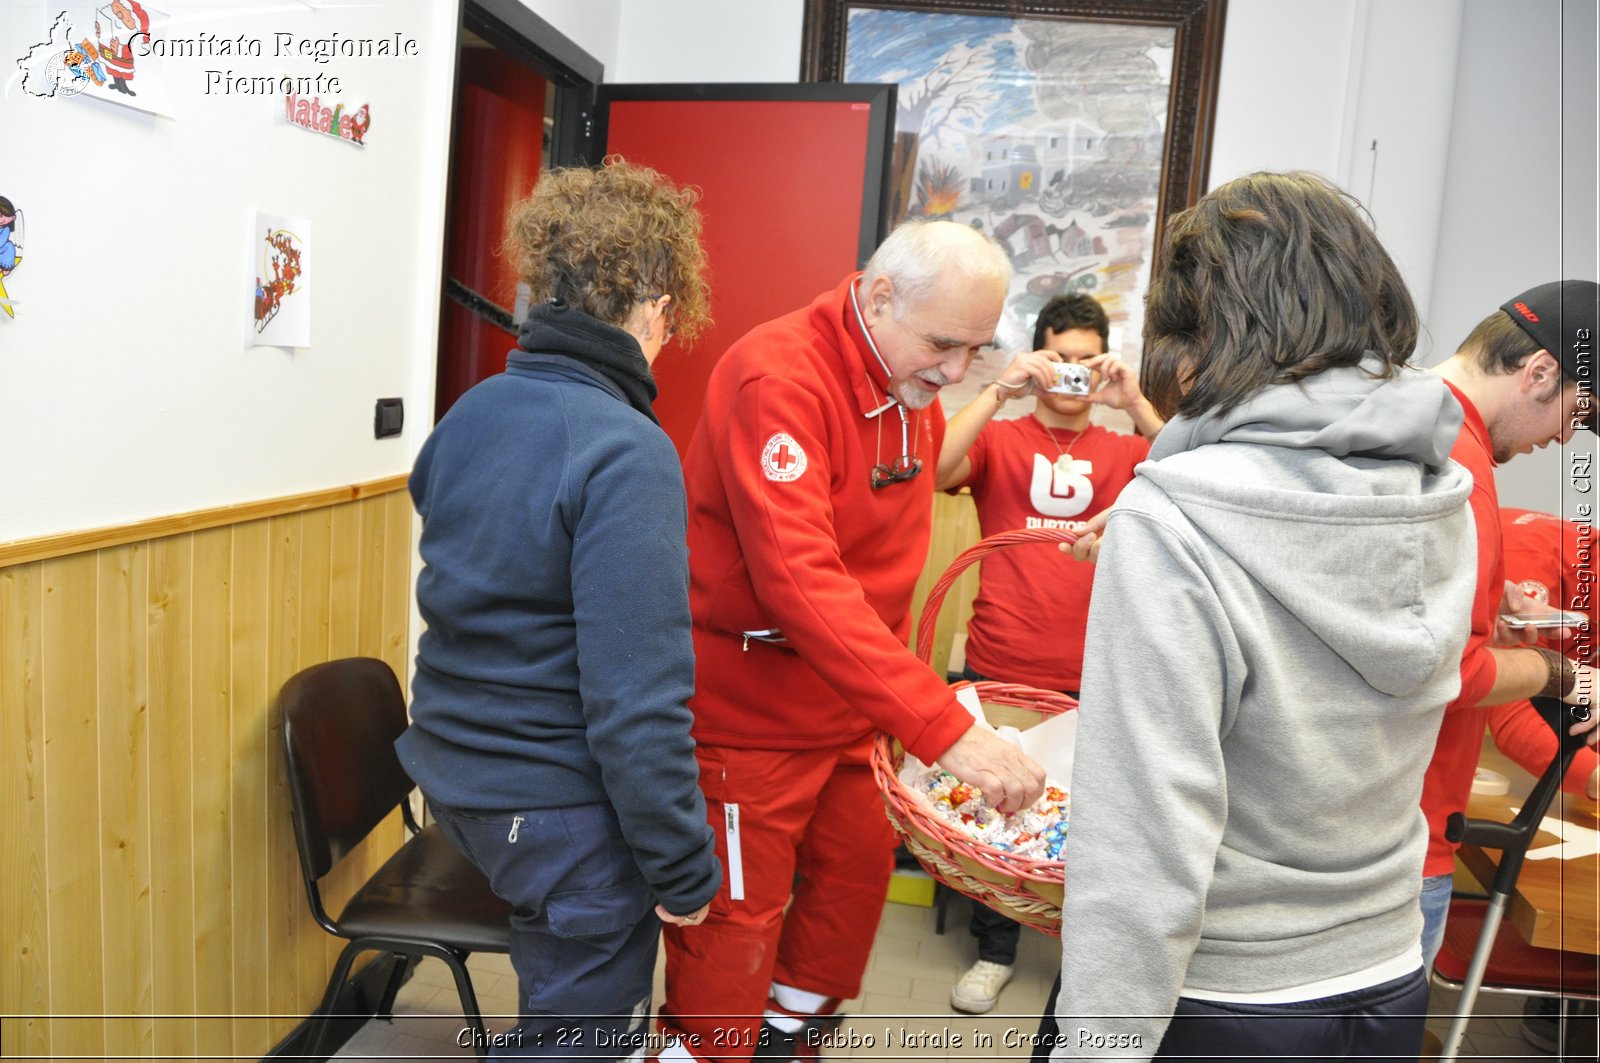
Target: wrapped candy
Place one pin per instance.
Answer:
(1038, 832)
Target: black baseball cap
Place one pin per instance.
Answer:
(1562, 318)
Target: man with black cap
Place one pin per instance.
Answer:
(1524, 377)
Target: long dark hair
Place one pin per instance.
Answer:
(1270, 279)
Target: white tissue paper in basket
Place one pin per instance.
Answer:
(1051, 742)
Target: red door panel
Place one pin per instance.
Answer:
(497, 143)
(792, 195)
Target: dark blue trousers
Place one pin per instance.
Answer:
(583, 927)
(1382, 1022)
(997, 934)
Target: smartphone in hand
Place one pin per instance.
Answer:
(1555, 618)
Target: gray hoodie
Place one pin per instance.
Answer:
(1276, 626)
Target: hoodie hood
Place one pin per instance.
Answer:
(1344, 412)
(1368, 459)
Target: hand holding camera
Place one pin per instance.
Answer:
(1071, 379)
(1028, 372)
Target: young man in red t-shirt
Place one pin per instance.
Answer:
(1521, 377)
(1050, 469)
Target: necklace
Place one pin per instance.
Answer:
(907, 464)
(1063, 454)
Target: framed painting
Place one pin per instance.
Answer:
(1068, 130)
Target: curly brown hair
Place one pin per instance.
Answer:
(603, 240)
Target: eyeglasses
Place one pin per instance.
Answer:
(902, 468)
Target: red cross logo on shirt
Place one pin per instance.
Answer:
(782, 459)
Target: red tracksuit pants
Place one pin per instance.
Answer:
(815, 814)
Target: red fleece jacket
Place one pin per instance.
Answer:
(786, 532)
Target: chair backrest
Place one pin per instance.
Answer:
(340, 720)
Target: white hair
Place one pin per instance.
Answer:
(918, 253)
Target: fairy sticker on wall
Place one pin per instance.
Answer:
(10, 250)
(283, 281)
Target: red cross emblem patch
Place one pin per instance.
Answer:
(782, 460)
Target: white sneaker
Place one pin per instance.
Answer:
(978, 990)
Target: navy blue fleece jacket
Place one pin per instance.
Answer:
(557, 663)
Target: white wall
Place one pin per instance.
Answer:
(1281, 104)
(1470, 102)
(1305, 84)
(1443, 116)
(127, 389)
(593, 25)
(1315, 85)
(1398, 134)
(709, 40)
(1519, 204)
(128, 386)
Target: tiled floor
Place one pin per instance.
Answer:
(903, 1012)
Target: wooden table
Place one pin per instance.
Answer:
(1557, 902)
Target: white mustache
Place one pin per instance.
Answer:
(934, 376)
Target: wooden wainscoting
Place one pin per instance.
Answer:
(955, 528)
(150, 893)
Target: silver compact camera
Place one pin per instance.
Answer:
(1071, 379)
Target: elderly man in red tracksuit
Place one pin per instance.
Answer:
(810, 483)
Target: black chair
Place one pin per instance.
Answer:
(340, 721)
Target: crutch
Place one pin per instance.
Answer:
(1512, 839)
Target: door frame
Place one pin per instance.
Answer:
(571, 71)
(570, 75)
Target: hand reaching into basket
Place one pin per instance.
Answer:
(1008, 777)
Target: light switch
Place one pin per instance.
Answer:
(389, 419)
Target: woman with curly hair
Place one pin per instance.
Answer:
(550, 730)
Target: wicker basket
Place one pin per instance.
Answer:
(1024, 889)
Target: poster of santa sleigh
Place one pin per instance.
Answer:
(282, 256)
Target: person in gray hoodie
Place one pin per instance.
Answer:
(1276, 626)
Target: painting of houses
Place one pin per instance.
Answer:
(1045, 133)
